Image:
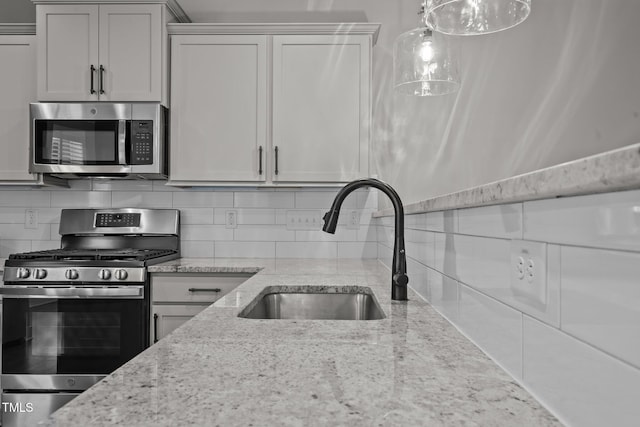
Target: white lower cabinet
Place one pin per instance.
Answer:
(177, 297)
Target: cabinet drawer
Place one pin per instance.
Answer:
(193, 287)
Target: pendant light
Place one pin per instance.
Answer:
(474, 17)
(422, 65)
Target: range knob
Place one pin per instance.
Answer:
(40, 273)
(104, 274)
(121, 274)
(71, 274)
(23, 273)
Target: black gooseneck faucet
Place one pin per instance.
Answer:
(399, 277)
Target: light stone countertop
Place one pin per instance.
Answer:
(614, 170)
(411, 368)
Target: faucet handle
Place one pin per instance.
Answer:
(400, 279)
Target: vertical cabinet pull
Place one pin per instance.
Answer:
(155, 327)
(260, 160)
(92, 71)
(101, 79)
(276, 169)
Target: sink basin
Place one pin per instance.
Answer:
(320, 302)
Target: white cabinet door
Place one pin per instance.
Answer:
(17, 89)
(95, 52)
(67, 49)
(168, 318)
(321, 112)
(130, 52)
(218, 108)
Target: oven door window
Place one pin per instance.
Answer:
(70, 336)
(77, 142)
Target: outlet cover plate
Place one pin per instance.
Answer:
(529, 272)
(304, 220)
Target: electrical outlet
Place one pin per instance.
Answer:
(304, 220)
(529, 271)
(353, 220)
(231, 219)
(30, 218)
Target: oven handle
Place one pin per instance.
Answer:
(131, 292)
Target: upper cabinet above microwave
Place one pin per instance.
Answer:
(97, 51)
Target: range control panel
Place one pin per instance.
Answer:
(117, 220)
(141, 142)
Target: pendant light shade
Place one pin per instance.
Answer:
(422, 66)
(473, 17)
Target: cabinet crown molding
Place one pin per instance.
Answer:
(17, 29)
(312, 28)
(172, 5)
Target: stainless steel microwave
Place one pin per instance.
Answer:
(113, 140)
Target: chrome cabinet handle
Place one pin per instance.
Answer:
(276, 169)
(101, 79)
(155, 327)
(204, 289)
(92, 71)
(260, 160)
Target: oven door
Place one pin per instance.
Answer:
(53, 333)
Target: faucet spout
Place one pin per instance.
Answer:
(399, 277)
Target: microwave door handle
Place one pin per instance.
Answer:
(122, 142)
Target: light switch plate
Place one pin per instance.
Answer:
(304, 220)
(529, 272)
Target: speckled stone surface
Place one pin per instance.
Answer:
(610, 171)
(411, 368)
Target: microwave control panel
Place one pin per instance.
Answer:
(141, 142)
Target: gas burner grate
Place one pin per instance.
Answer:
(93, 254)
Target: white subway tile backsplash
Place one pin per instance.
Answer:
(196, 216)
(341, 235)
(385, 255)
(264, 199)
(145, 199)
(28, 199)
(610, 220)
(419, 245)
(80, 199)
(357, 250)
(443, 293)
(247, 216)
(245, 249)
(9, 246)
(260, 233)
(123, 185)
(205, 232)
(443, 221)
(201, 199)
(18, 232)
(503, 221)
(418, 278)
(416, 221)
(601, 300)
(581, 385)
(197, 249)
(44, 245)
(306, 249)
(494, 327)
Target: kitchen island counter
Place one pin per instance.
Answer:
(411, 368)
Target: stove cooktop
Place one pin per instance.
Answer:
(93, 255)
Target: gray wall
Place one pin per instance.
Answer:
(14, 11)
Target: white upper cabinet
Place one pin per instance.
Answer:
(270, 104)
(218, 108)
(102, 52)
(17, 86)
(321, 107)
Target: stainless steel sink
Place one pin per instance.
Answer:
(328, 303)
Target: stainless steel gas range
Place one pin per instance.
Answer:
(73, 315)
